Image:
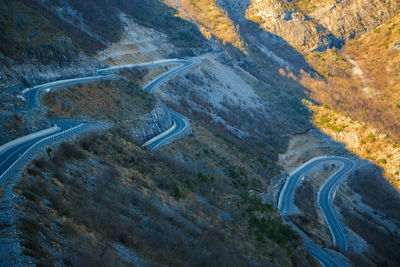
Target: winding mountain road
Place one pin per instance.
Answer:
(325, 200)
(15, 153)
(9, 156)
(185, 64)
(179, 128)
(181, 123)
(15, 149)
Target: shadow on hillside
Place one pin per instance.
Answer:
(280, 66)
(258, 37)
(270, 58)
(103, 24)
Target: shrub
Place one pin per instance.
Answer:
(277, 231)
(203, 177)
(392, 26)
(34, 172)
(48, 151)
(177, 192)
(69, 229)
(31, 227)
(31, 196)
(67, 151)
(40, 163)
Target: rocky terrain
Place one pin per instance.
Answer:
(277, 83)
(231, 101)
(373, 226)
(366, 141)
(33, 50)
(197, 189)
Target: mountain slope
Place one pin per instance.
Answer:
(258, 60)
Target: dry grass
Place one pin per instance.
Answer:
(380, 62)
(373, 98)
(109, 100)
(367, 182)
(105, 189)
(345, 95)
(211, 20)
(363, 140)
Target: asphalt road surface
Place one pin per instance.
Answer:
(325, 200)
(181, 122)
(8, 157)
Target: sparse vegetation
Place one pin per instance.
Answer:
(262, 226)
(196, 201)
(212, 20)
(369, 183)
(364, 140)
(110, 100)
(28, 34)
(90, 187)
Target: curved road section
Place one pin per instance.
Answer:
(181, 123)
(325, 199)
(8, 157)
(181, 127)
(286, 197)
(17, 149)
(185, 64)
(323, 257)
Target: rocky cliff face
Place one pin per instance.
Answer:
(363, 140)
(33, 50)
(313, 25)
(347, 19)
(150, 125)
(281, 18)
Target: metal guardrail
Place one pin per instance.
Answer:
(65, 119)
(143, 64)
(103, 75)
(35, 147)
(180, 133)
(25, 138)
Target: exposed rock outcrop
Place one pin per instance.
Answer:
(33, 50)
(347, 19)
(314, 25)
(151, 125)
(285, 21)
